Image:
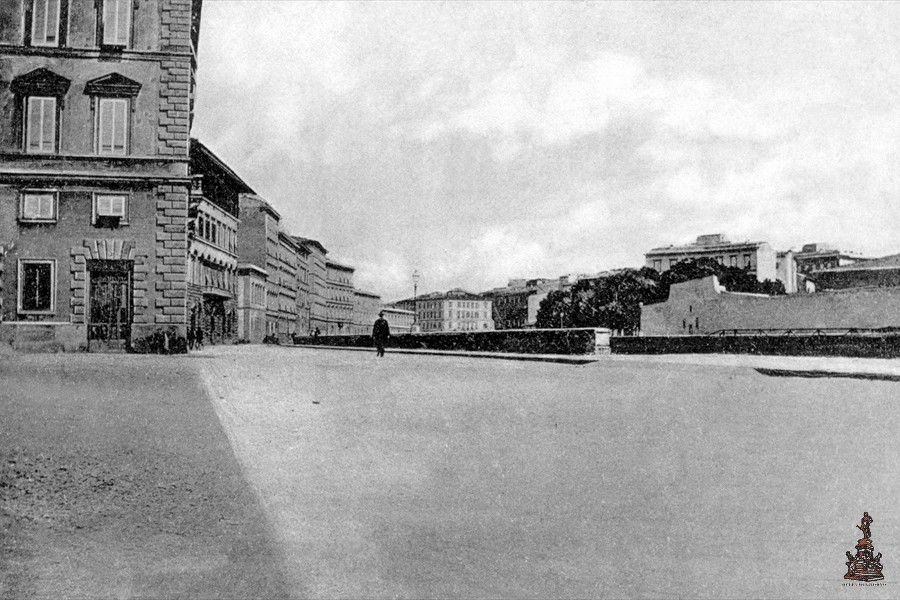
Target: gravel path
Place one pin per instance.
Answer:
(449, 477)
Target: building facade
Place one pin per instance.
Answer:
(213, 225)
(251, 303)
(317, 274)
(339, 298)
(399, 320)
(875, 272)
(516, 305)
(96, 101)
(756, 257)
(264, 245)
(455, 310)
(366, 306)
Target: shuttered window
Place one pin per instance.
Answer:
(112, 127)
(116, 22)
(45, 23)
(112, 205)
(40, 131)
(38, 206)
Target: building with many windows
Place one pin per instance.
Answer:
(264, 245)
(366, 306)
(317, 273)
(96, 101)
(399, 320)
(212, 246)
(756, 257)
(339, 298)
(455, 310)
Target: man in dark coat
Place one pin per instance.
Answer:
(380, 333)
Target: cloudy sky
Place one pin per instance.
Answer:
(476, 142)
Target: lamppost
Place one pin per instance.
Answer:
(415, 278)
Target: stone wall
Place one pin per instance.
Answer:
(519, 341)
(702, 306)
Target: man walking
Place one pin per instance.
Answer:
(380, 333)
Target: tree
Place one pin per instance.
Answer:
(613, 302)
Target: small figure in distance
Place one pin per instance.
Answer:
(198, 338)
(380, 333)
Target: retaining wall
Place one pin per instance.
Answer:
(858, 345)
(520, 341)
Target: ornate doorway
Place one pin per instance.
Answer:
(109, 310)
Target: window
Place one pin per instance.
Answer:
(40, 125)
(37, 286)
(733, 260)
(110, 208)
(746, 261)
(657, 264)
(38, 206)
(112, 127)
(115, 25)
(45, 23)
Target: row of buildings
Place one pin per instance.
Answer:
(117, 229)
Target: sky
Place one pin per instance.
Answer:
(475, 142)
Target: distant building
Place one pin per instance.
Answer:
(317, 274)
(264, 245)
(875, 272)
(786, 272)
(818, 256)
(366, 307)
(213, 223)
(339, 298)
(251, 303)
(516, 305)
(756, 257)
(399, 320)
(455, 310)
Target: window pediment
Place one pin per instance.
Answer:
(114, 85)
(40, 82)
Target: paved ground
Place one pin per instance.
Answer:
(266, 472)
(116, 481)
(423, 476)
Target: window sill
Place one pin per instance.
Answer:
(36, 313)
(37, 221)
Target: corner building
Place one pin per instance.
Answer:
(96, 102)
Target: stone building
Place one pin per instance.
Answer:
(317, 273)
(339, 298)
(399, 320)
(366, 306)
(756, 257)
(455, 310)
(212, 246)
(96, 102)
(251, 303)
(304, 299)
(516, 305)
(874, 272)
(264, 245)
(818, 256)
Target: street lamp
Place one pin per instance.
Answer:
(415, 278)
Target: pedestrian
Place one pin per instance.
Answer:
(190, 338)
(317, 333)
(380, 333)
(199, 338)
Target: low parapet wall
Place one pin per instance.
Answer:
(520, 341)
(858, 345)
